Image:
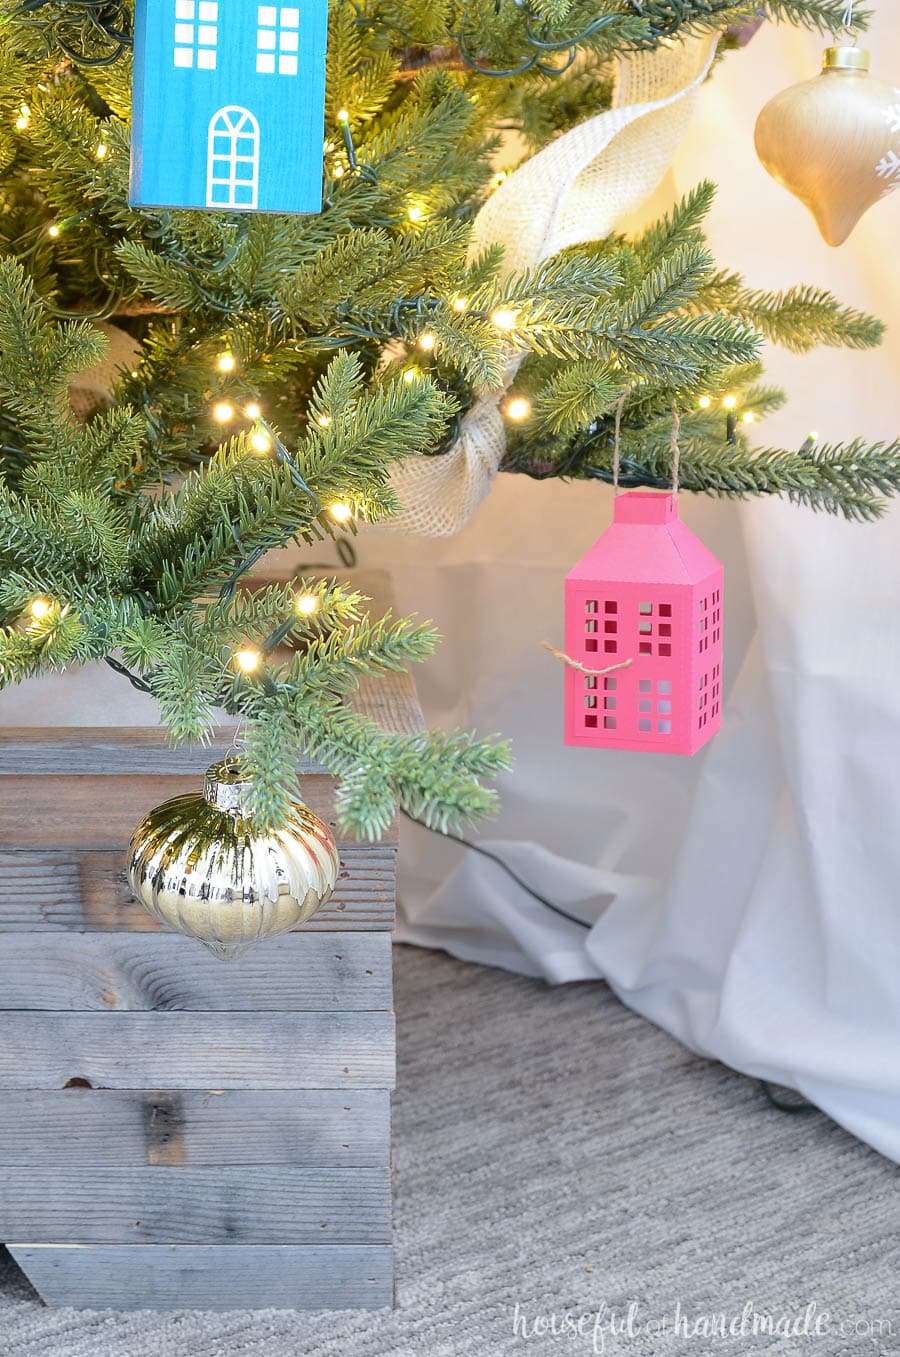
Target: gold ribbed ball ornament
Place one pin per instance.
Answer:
(199, 864)
(834, 141)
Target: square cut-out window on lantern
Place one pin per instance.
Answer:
(590, 681)
(611, 627)
(645, 608)
(590, 606)
(612, 607)
(609, 684)
(645, 648)
(645, 725)
(664, 649)
(664, 686)
(703, 605)
(664, 727)
(665, 629)
(610, 647)
(591, 722)
(645, 628)
(610, 703)
(645, 705)
(590, 702)
(645, 686)
(665, 610)
(590, 626)
(609, 723)
(664, 708)
(590, 644)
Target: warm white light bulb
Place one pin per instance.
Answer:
(22, 121)
(748, 418)
(102, 149)
(518, 408)
(39, 607)
(410, 375)
(460, 303)
(252, 411)
(415, 212)
(53, 230)
(223, 411)
(323, 420)
(343, 116)
(306, 604)
(705, 402)
(338, 172)
(341, 513)
(814, 436)
(260, 442)
(225, 362)
(729, 403)
(248, 660)
(505, 318)
(427, 341)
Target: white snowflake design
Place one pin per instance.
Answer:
(889, 168)
(892, 115)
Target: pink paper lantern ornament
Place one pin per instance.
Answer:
(645, 604)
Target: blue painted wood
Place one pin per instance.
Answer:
(228, 104)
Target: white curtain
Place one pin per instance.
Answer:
(747, 899)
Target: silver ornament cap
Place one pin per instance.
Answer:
(200, 865)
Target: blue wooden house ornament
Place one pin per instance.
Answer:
(228, 105)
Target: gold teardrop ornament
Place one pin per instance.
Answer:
(199, 865)
(834, 141)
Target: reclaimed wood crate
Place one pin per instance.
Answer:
(176, 1131)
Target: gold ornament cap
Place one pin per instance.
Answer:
(226, 787)
(845, 59)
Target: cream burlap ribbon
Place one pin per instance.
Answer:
(577, 188)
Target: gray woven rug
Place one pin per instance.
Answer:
(555, 1152)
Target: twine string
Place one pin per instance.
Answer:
(582, 668)
(847, 21)
(675, 449)
(617, 438)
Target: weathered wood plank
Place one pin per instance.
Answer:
(144, 971)
(210, 1277)
(44, 888)
(197, 1050)
(222, 1205)
(111, 751)
(129, 1127)
(101, 812)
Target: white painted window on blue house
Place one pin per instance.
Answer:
(232, 173)
(196, 34)
(277, 39)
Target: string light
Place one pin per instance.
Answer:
(415, 212)
(814, 436)
(102, 148)
(323, 420)
(705, 402)
(504, 318)
(518, 408)
(343, 116)
(306, 604)
(226, 362)
(427, 341)
(24, 117)
(460, 303)
(39, 608)
(337, 171)
(341, 513)
(498, 178)
(730, 403)
(248, 660)
(223, 411)
(53, 230)
(260, 442)
(252, 411)
(748, 418)
(410, 375)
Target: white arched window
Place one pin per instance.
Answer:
(232, 161)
